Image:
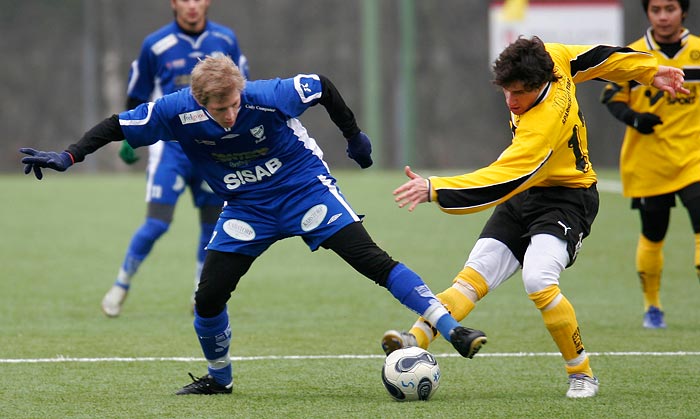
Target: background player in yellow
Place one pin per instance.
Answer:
(543, 185)
(660, 155)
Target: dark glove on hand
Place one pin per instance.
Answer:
(360, 149)
(127, 153)
(38, 159)
(645, 122)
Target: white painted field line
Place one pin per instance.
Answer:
(312, 357)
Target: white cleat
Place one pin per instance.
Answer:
(113, 300)
(393, 340)
(582, 386)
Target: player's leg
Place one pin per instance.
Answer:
(210, 207)
(690, 196)
(559, 219)
(164, 186)
(545, 259)
(490, 263)
(655, 216)
(220, 275)
(495, 257)
(158, 219)
(356, 247)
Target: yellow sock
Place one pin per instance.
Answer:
(467, 286)
(650, 263)
(697, 254)
(560, 319)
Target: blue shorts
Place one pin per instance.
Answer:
(315, 213)
(170, 172)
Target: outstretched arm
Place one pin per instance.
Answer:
(670, 79)
(359, 146)
(414, 192)
(98, 136)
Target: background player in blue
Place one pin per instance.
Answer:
(163, 66)
(247, 142)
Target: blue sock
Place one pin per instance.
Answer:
(407, 287)
(145, 237)
(445, 325)
(215, 338)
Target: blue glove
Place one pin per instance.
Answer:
(360, 149)
(38, 159)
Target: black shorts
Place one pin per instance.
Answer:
(667, 201)
(566, 213)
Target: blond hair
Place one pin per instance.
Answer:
(215, 77)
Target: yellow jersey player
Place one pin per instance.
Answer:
(660, 155)
(543, 187)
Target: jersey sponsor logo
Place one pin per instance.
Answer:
(193, 117)
(164, 44)
(229, 136)
(239, 230)
(241, 177)
(179, 63)
(259, 108)
(313, 217)
(653, 99)
(205, 142)
(688, 99)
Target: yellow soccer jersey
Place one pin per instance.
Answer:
(668, 159)
(549, 146)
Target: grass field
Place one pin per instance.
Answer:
(306, 328)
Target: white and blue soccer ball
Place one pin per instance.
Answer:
(411, 374)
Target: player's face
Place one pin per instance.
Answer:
(666, 18)
(518, 99)
(190, 14)
(225, 110)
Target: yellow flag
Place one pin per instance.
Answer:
(514, 10)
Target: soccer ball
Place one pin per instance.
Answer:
(411, 374)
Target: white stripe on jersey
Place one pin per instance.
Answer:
(309, 143)
(155, 152)
(134, 76)
(334, 191)
(139, 121)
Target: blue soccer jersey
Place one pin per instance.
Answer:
(165, 62)
(266, 160)
(169, 54)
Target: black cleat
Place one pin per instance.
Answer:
(205, 385)
(467, 341)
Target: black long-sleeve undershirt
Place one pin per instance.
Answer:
(96, 137)
(339, 112)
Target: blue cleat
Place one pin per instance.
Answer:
(654, 318)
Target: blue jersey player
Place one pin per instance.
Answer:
(246, 141)
(163, 66)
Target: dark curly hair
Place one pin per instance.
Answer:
(526, 61)
(685, 5)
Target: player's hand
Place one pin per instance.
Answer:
(360, 149)
(413, 192)
(45, 159)
(645, 122)
(127, 153)
(670, 79)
